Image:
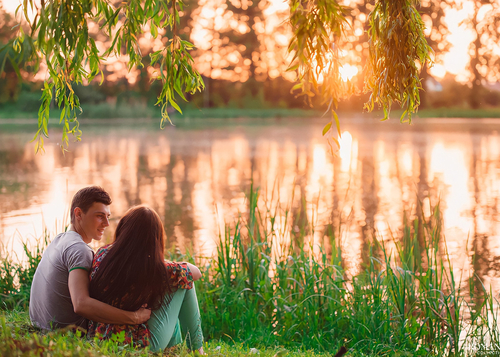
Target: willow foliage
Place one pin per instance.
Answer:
(59, 34)
(59, 37)
(318, 26)
(398, 49)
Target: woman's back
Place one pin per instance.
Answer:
(179, 278)
(128, 277)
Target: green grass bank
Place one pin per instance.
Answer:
(272, 294)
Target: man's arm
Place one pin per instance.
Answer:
(95, 310)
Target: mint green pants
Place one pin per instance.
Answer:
(166, 323)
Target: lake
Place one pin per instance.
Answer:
(195, 175)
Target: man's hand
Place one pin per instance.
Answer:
(95, 310)
(142, 315)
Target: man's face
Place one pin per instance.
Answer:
(94, 221)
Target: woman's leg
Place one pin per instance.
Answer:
(190, 320)
(176, 336)
(183, 308)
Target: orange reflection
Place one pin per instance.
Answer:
(449, 170)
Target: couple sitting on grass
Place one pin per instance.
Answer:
(126, 287)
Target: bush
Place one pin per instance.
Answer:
(108, 111)
(89, 94)
(28, 102)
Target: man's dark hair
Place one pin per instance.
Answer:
(86, 197)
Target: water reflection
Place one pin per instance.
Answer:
(197, 179)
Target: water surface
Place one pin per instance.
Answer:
(196, 177)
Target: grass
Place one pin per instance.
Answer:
(227, 113)
(19, 338)
(402, 301)
(265, 289)
(16, 278)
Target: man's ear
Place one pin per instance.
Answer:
(78, 213)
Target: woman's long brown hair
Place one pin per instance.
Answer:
(133, 272)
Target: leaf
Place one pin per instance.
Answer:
(336, 142)
(39, 145)
(327, 128)
(175, 105)
(337, 123)
(2, 66)
(297, 86)
(293, 68)
(63, 112)
(16, 67)
(403, 115)
(154, 31)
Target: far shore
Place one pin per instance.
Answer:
(217, 117)
(104, 113)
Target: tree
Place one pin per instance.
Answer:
(247, 13)
(484, 63)
(240, 41)
(59, 37)
(433, 15)
(10, 61)
(397, 47)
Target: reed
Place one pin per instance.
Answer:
(263, 293)
(267, 287)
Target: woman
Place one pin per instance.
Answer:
(132, 272)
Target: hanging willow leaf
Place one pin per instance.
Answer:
(327, 128)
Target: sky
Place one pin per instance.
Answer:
(454, 62)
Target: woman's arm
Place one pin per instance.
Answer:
(194, 271)
(95, 310)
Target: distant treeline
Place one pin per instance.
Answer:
(123, 99)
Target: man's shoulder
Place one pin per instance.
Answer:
(65, 245)
(71, 239)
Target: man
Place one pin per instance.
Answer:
(60, 289)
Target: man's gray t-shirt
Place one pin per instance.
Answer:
(50, 301)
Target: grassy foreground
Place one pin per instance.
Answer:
(264, 289)
(19, 338)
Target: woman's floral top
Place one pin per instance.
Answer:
(180, 278)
